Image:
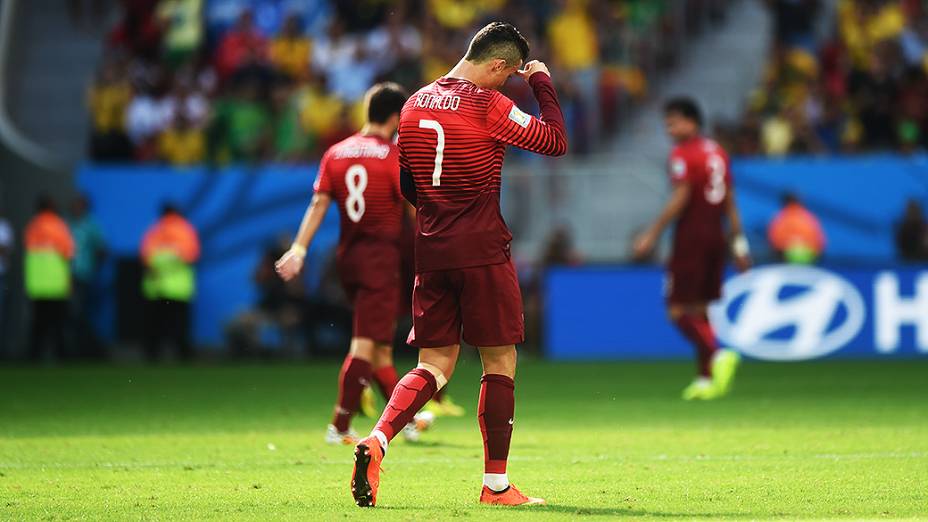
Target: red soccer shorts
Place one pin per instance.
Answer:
(696, 277)
(372, 284)
(484, 303)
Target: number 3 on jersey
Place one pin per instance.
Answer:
(355, 182)
(439, 148)
(716, 190)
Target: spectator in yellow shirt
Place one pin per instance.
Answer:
(573, 41)
(319, 109)
(864, 24)
(183, 29)
(182, 144)
(458, 14)
(572, 35)
(108, 99)
(290, 51)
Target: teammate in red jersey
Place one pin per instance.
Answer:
(701, 200)
(361, 174)
(452, 137)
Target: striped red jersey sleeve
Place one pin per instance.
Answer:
(546, 135)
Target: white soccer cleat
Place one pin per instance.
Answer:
(424, 420)
(421, 422)
(346, 438)
(410, 433)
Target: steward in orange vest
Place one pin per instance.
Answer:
(49, 248)
(169, 250)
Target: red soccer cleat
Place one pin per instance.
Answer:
(365, 478)
(510, 496)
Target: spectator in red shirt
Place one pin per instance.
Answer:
(138, 30)
(242, 41)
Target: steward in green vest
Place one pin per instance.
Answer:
(49, 248)
(169, 250)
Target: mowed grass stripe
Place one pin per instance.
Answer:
(832, 440)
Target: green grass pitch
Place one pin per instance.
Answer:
(832, 440)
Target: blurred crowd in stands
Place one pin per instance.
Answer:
(192, 81)
(842, 80)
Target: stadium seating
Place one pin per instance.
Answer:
(193, 81)
(849, 84)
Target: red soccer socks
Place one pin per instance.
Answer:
(495, 413)
(697, 329)
(410, 394)
(353, 378)
(386, 380)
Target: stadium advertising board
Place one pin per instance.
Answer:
(240, 210)
(774, 312)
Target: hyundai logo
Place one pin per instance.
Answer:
(788, 313)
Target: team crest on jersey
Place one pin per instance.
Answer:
(519, 117)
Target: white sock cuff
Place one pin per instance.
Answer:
(440, 380)
(496, 481)
(382, 437)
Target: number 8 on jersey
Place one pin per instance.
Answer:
(355, 182)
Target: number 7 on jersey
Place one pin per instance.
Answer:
(439, 148)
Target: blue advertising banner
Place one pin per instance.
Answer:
(238, 213)
(240, 210)
(858, 199)
(775, 312)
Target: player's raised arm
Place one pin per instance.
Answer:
(545, 135)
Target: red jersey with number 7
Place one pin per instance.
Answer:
(452, 138)
(704, 165)
(361, 174)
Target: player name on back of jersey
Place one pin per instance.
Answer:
(448, 102)
(362, 150)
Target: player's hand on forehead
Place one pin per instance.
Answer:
(531, 68)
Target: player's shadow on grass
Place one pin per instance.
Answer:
(577, 511)
(438, 444)
(627, 512)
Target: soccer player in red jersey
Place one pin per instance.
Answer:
(701, 200)
(361, 174)
(452, 137)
